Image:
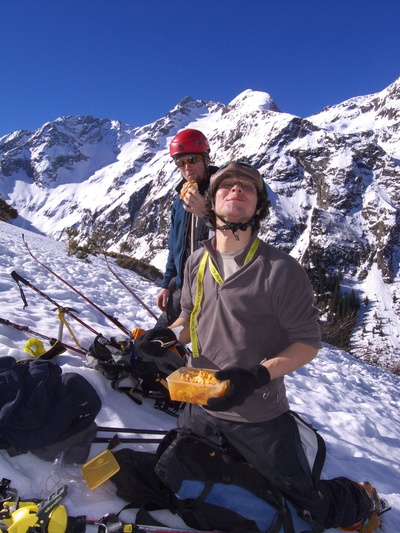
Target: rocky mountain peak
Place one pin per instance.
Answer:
(333, 180)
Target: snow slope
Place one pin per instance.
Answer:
(354, 406)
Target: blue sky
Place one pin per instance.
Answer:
(134, 60)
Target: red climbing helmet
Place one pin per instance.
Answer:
(189, 142)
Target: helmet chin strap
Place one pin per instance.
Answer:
(235, 226)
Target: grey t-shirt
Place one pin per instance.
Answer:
(256, 312)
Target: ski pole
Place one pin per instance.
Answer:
(112, 319)
(52, 340)
(129, 289)
(70, 312)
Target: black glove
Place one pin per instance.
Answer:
(155, 342)
(243, 382)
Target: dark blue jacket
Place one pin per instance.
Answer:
(179, 244)
(40, 405)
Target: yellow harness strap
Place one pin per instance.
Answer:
(197, 304)
(199, 290)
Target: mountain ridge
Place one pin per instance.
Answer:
(332, 178)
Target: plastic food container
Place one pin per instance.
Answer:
(99, 469)
(195, 385)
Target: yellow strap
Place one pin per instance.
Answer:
(214, 272)
(62, 319)
(199, 290)
(197, 304)
(252, 251)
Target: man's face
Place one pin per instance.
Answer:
(236, 199)
(191, 167)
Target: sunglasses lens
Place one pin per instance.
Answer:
(244, 184)
(191, 159)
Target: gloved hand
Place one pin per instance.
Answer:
(155, 342)
(243, 382)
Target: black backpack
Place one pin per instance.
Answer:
(46, 411)
(118, 361)
(209, 488)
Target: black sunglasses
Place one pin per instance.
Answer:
(229, 183)
(191, 159)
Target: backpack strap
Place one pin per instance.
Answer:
(287, 521)
(316, 449)
(144, 518)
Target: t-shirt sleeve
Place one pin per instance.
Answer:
(294, 305)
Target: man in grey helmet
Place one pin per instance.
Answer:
(247, 309)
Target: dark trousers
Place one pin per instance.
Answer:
(276, 450)
(173, 311)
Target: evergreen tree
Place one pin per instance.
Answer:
(7, 212)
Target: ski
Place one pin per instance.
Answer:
(112, 319)
(141, 528)
(68, 310)
(132, 430)
(111, 523)
(129, 289)
(51, 340)
(41, 512)
(122, 440)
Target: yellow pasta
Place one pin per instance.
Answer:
(195, 385)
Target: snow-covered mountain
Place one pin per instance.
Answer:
(333, 180)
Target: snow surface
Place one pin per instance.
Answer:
(354, 406)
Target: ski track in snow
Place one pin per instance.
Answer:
(354, 406)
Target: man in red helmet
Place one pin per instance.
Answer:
(191, 153)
